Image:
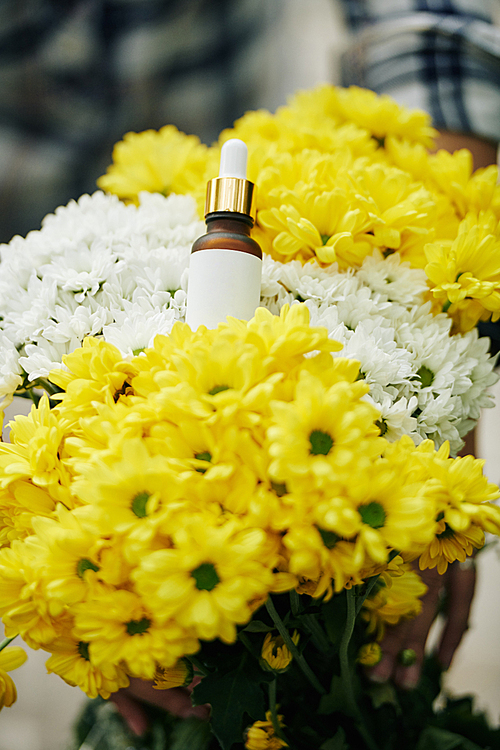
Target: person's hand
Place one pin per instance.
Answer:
(458, 582)
(131, 703)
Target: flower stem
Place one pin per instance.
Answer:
(369, 589)
(318, 635)
(301, 662)
(6, 642)
(372, 582)
(345, 672)
(295, 604)
(273, 708)
(199, 666)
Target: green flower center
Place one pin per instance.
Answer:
(83, 650)
(330, 538)
(136, 352)
(85, 564)
(426, 376)
(279, 488)
(205, 577)
(218, 389)
(138, 504)
(325, 238)
(138, 627)
(205, 456)
(382, 425)
(321, 443)
(372, 514)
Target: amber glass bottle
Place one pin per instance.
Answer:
(225, 265)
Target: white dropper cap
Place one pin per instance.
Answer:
(233, 159)
(231, 191)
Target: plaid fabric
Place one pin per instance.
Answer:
(75, 75)
(440, 55)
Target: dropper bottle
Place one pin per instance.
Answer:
(226, 263)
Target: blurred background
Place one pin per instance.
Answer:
(74, 77)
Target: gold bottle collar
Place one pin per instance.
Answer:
(230, 194)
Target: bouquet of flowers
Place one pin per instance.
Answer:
(244, 504)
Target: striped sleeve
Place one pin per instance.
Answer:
(440, 55)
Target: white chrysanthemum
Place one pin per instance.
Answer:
(95, 266)
(396, 415)
(481, 373)
(99, 267)
(439, 417)
(135, 328)
(40, 358)
(382, 361)
(395, 281)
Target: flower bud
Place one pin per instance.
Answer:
(180, 675)
(276, 656)
(369, 654)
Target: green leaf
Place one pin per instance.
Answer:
(257, 626)
(383, 694)
(334, 700)
(191, 734)
(338, 742)
(458, 716)
(231, 696)
(433, 738)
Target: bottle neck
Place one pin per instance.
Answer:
(227, 221)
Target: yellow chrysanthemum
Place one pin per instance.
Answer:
(321, 559)
(400, 599)
(208, 579)
(449, 546)
(179, 675)
(165, 161)
(282, 340)
(72, 559)
(467, 270)
(463, 498)
(324, 434)
(36, 452)
(18, 503)
(380, 115)
(322, 225)
(275, 654)
(261, 735)
(394, 513)
(23, 607)
(96, 372)
(130, 492)
(119, 628)
(11, 658)
(452, 172)
(70, 659)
